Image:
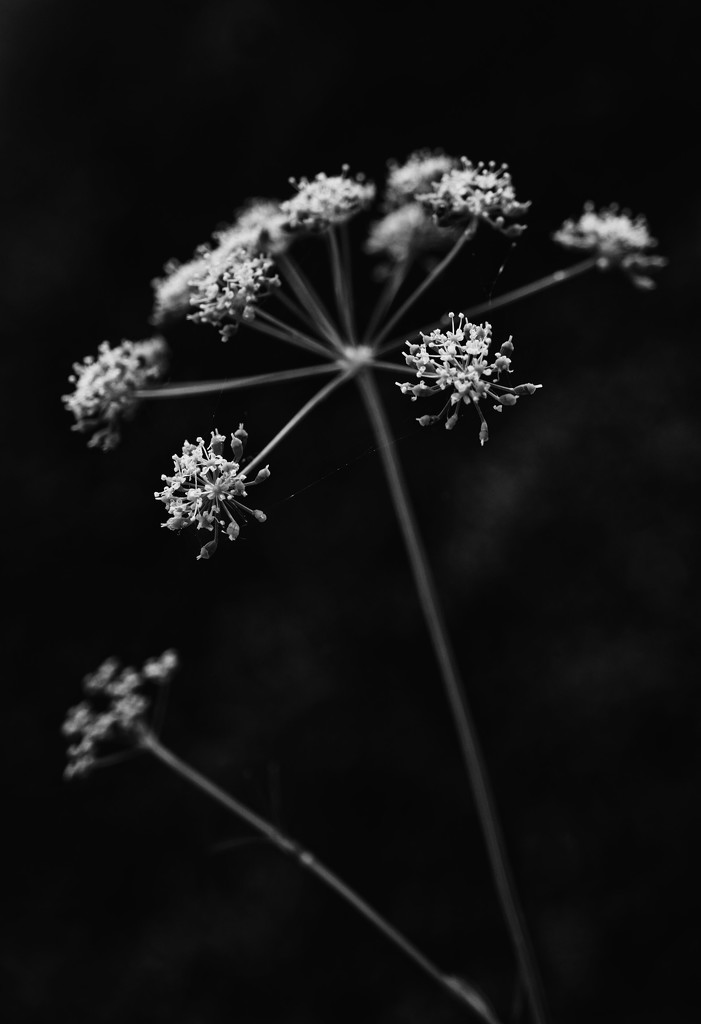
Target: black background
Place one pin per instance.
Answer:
(564, 550)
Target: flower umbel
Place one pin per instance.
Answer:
(421, 170)
(206, 487)
(476, 192)
(118, 691)
(230, 288)
(259, 227)
(406, 232)
(457, 361)
(616, 238)
(325, 201)
(172, 292)
(106, 386)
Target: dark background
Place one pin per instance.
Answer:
(564, 550)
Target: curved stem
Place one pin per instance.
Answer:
(462, 716)
(503, 300)
(426, 283)
(299, 416)
(207, 387)
(307, 860)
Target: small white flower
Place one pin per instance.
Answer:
(206, 488)
(325, 201)
(420, 171)
(616, 238)
(458, 362)
(106, 386)
(471, 193)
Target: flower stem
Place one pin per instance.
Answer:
(309, 299)
(298, 416)
(206, 387)
(503, 300)
(462, 716)
(279, 329)
(307, 860)
(426, 283)
(294, 307)
(387, 296)
(340, 286)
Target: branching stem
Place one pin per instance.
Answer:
(207, 387)
(308, 297)
(307, 860)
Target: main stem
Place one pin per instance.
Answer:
(467, 735)
(289, 846)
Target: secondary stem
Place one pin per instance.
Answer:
(207, 387)
(462, 716)
(309, 299)
(268, 324)
(427, 281)
(298, 416)
(503, 300)
(307, 860)
(340, 273)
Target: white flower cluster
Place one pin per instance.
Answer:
(172, 292)
(124, 708)
(106, 386)
(616, 238)
(471, 193)
(325, 201)
(421, 170)
(405, 232)
(205, 489)
(230, 287)
(458, 362)
(259, 228)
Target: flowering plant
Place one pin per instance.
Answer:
(432, 203)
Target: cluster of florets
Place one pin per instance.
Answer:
(406, 232)
(206, 488)
(421, 170)
(326, 201)
(470, 193)
(230, 287)
(106, 387)
(616, 238)
(123, 708)
(259, 227)
(458, 361)
(172, 292)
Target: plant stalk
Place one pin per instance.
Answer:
(208, 387)
(462, 716)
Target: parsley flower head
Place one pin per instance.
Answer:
(326, 200)
(259, 227)
(114, 709)
(616, 238)
(470, 193)
(106, 387)
(421, 170)
(406, 232)
(230, 288)
(458, 363)
(206, 487)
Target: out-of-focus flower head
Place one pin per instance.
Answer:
(471, 193)
(115, 708)
(406, 232)
(421, 170)
(172, 292)
(230, 287)
(259, 227)
(326, 201)
(206, 488)
(617, 238)
(106, 387)
(458, 362)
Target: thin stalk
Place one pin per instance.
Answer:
(307, 860)
(426, 283)
(294, 307)
(381, 364)
(503, 300)
(309, 299)
(298, 416)
(462, 716)
(340, 285)
(207, 387)
(286, 332)
(387, 296)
